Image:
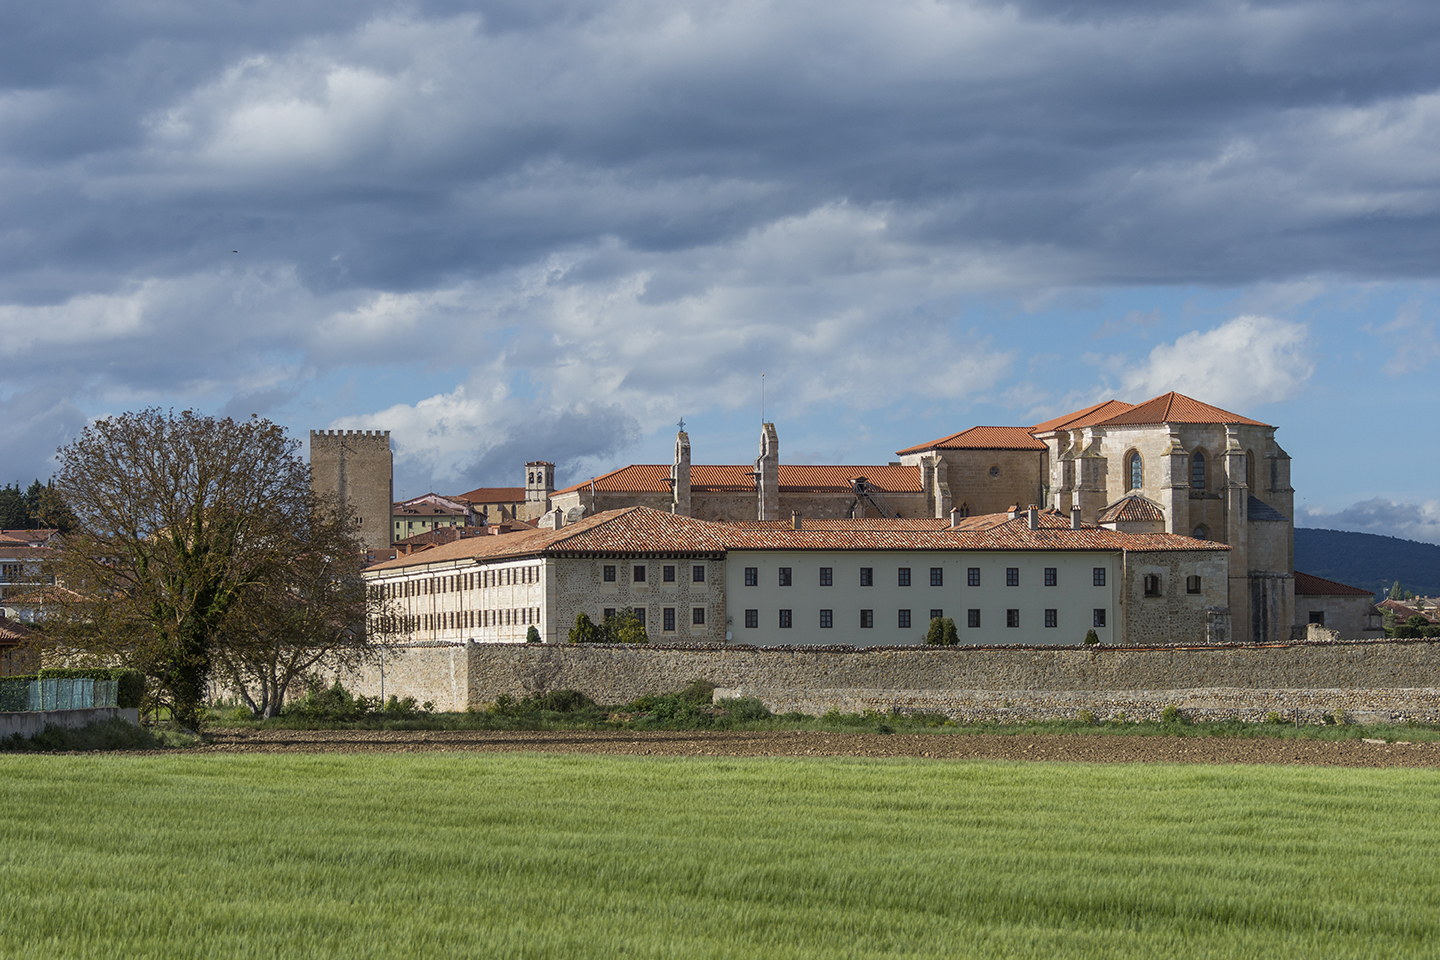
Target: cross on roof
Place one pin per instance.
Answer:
(682, 424)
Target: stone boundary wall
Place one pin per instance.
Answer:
(1398, 679)
(29, 723)
(431, 671)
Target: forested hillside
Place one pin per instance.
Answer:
(1369, 561)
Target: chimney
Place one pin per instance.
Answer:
(1032, 517)
(1014, 511)
(1075, 518)
(954, 517)
(795, 520)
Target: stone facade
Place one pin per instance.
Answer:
(357, 466)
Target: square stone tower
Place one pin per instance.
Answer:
(357, 466)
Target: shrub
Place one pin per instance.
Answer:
(742, 709)
(532, 635)
(1086, 717)
(585, 630)
(625, 627)
(1273, 717)
(558, 701)
(1172, 714)
(942, 633)
(1091, 638)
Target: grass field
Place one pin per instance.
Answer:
(502, 855)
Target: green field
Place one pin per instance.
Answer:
(436, 855)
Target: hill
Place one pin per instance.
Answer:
(1369, 561)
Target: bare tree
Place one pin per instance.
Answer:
(314, 614)
(177, 520)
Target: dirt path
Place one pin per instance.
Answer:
(1079, 748)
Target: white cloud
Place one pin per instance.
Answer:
(1245, 361)
(1408, 521)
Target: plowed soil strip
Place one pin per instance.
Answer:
(1051, 747)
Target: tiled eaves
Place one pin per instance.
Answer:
(642, 531)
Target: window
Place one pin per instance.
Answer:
(827, 619)
(752, 576)
(697, 616)
(1201, 532)
(639, 573)
(1097, 576)
(668, 619)
(784, 576)
(972, 618)
(904, 620)
(784, 619)
(752, 619)
(1152, 585)
(1012, 576)
(1052, 617)
(827, 576)
(1318, 617)
(1012, 618)
(867, 576)
(936, 614)
(1051, 577)
(667, 573)
(867, 619)
(609, 614)
(1192, 584)
(1136, 471)
(640, 615)
(1197, 471)
(972, 576)
(937, 576)
(964, 509)
(902, 577)
(1099, 619)
(697, 573)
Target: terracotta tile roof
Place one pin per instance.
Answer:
(981, 438)
(1309, 585)
(441, 535)
(642, 530)
(493, 495)
(425, 510)
(12, 633)
(1131, 508)
(850, 523)
(739, 478)
(29, 536)
(1083, 418)
(1401, 610)
(1175, 407)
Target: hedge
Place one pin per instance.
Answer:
(128, 691)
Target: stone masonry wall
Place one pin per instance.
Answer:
(436, 672)
(1398, 679)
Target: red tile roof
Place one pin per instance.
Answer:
(1401, 610)
(493, 495)
(1175, 407)
(739, 478)
(1083, 418)
(425, 510)
(1132, 508)
(12, 633)
(642, 530)
(981, 438)
(1309, 585)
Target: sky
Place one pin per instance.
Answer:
(545, 229)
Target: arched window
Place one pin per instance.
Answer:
(964, 509)
(1137, 471)
(1197, 471)
(1201, 532)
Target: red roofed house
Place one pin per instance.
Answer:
(1349, 611)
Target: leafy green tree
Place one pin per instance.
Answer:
(1397, 592)
(586, 630)
(942, 632)
(178, 518)
(14, 512)
(532, 635)
(625, 627)
(1091, 638)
